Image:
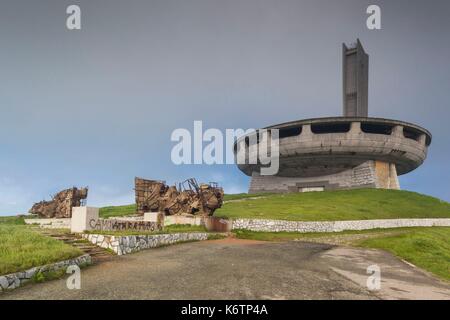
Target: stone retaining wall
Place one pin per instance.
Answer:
(128, 244)
(333, 226)
(15, 280)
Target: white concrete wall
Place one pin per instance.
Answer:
(51, 223)
(175, 219)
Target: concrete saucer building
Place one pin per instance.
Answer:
(352, 151)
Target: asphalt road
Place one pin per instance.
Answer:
(238, 269)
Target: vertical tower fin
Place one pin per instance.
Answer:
(355, 79)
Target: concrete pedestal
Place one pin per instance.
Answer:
(370, 174)
(83, 219)
(180, 219)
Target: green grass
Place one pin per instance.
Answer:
(173, 228)
(427, 248)
(216, 236)
(357, 204)
(240, 196)
(22, 248)
(288, 236)
(12, 220)
(48, 275)
(117, 211)
(319, 206)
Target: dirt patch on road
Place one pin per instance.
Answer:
(398, 280)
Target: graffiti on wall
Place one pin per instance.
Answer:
(118, 225)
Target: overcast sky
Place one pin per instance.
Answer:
(97, 106)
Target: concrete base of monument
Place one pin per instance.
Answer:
(82, 218)
(183, 219)
(370, 174)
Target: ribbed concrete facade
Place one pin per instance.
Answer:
(355, 79)
(370, 154)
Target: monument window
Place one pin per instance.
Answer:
(376, 128)
(290, 132)
(330, 128)
(411, 133)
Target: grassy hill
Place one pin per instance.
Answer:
(22, 248)
(117, 211)
(357, 204)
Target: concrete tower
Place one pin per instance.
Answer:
(352, 151)
(355, 78)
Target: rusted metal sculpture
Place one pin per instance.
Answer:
(188, 198)
(61, 204)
